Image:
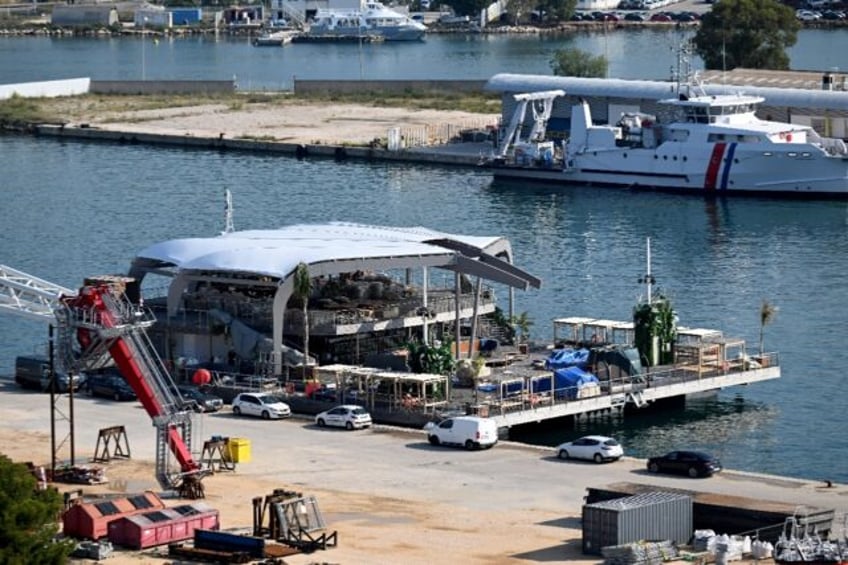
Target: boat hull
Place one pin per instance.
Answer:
(696, 171)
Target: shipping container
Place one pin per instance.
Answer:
(89, 519)
(650, 516)
(163, 526)
(186, 16)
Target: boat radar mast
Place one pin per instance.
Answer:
(228, 213)
(648, 279)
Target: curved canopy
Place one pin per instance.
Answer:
(332, 248)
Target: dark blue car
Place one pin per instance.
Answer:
(692, 463)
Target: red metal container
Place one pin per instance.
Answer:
(90, 519)
(163, 526)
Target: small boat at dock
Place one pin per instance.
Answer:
(275, 38)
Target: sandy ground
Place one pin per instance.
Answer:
(371, 528)
(318, 124)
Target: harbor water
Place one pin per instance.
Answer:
(639, 53)
(72, 210)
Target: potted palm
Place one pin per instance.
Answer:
(522, 324)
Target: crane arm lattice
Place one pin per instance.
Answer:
(28, 296)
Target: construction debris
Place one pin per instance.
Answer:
(80, 475)
(293, 519)
(639, 553)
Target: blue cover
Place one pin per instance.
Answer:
(567, 382)
(561, 358)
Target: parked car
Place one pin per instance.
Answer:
(471, 432)
(33, 371)
(692, 463)
(348, 416)
(260, 404)
(592, 448)
(109, 383)
(661, 18)
(205, 402)
(634, 17)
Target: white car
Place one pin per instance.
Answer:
(592, 448)
(260, 404)
(348, 416)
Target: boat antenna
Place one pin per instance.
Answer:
(228, 213)
(648, 279)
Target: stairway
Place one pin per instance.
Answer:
(103, 320)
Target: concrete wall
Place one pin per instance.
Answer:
(48, 88)
(83, 15)
(161, 86)
(397, 86)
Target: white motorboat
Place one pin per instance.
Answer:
(372, 20)
(698, 144)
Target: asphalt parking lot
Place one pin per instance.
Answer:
(399, 462)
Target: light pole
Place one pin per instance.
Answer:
(143, 33)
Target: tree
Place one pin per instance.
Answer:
(753, 34)
(577, 63)
(523, 323)
(28, 518)
(556, 10)
(767, 313)
(470, 8)
(302, 290)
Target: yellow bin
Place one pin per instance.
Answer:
(239, 449)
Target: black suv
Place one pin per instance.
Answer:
(109, 383)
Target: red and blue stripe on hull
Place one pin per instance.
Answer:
(718, 155)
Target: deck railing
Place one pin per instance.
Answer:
(534, 395)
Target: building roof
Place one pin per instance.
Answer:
(335, 247)
(658, 90)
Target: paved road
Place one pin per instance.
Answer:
(400, 463)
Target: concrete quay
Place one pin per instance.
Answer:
(467, 154)
(501, 505)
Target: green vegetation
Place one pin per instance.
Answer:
(655, 327)
(577, 63)
(17, 110)
(28, 519)
(302, 291)
(752, 34)
(430, 359)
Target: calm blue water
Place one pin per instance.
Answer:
(638, 53)
(72, 210)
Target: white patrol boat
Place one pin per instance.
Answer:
(701, 144)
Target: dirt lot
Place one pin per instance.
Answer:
(318, 124)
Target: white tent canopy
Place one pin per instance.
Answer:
(270, 257)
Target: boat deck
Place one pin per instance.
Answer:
(660, 383)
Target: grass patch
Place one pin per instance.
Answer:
(19, 110)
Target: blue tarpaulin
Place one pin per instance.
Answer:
(567, 382)
(561, 358)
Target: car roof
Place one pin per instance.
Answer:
(599, 438)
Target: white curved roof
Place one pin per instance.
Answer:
(657, 90)
(276, 253)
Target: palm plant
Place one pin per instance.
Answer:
(767, 313)
(523, 323)
(302, 290)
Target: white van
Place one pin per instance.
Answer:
(471, 432)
